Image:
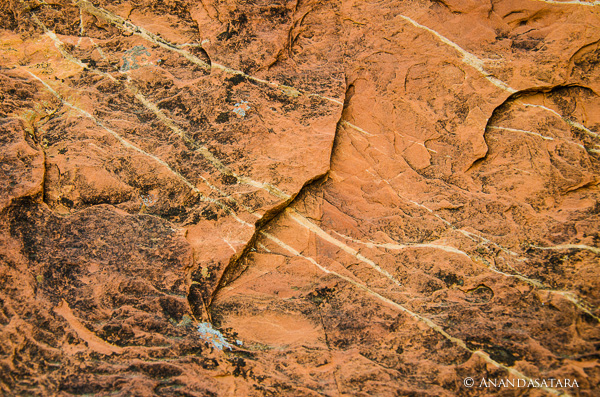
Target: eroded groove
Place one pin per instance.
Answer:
(517, 97)
(571, 2)
(234, 268)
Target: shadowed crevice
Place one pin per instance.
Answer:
(235, 267)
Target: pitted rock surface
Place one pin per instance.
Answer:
(299, 197)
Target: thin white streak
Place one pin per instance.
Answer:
(396, 246)
(570, 122)
(571, 2)
(301, 220)
(467, 57)
(349, 124)
(595, 250)
(523, 131)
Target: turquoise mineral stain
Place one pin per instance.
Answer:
(130, 59)
(213, 336)
(241, 108)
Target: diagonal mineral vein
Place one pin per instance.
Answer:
(467, 57)
(301, 220)
(570, 122)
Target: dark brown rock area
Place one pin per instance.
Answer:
(299, 198)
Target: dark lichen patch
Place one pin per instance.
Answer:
(497, 353)
(223, 117)
(527, 44)
(236, 79)
(320, 295)
(157, 370)
(449, 278)
(240, 367)
(210, 214)
(117, 333)
(229, 179)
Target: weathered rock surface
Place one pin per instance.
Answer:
(299, 198)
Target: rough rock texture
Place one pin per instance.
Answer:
(299, 198)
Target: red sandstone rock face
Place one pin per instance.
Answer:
(298, 198)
